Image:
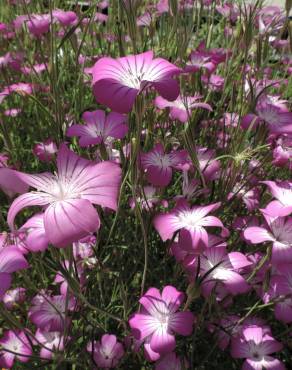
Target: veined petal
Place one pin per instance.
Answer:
(166, 225)
(161, 341)
(172, 297)
(25, 200)
(12, 260)
(142, 325)
(182, 322)
(257, 235)
(69, 221)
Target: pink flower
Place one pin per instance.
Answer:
(38, 24)
(65, 18)
(214, 82)
(14, 297)
(99, 127)
(255, 345)
(158, 165)
(69, 196)
(159, 319)
(277, 230)
(11, 260)
(107, 352)
(194, 220)
(200, 59)
(48, 312)
(10, 183)
(169, 362)
(181, 107)
(45, 151)
(218, 266)
(278, 122)
(16, 342)
(52, 342)
(283, 193)
(117, 82)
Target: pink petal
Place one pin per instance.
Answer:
(161, 341)
(142, 325)
(172, 297)
(12, 260)
(5, 279)
(257, 235)
(182, 323)
(65, 222)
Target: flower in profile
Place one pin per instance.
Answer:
(277, 230)
(99, 127)
(35, 239)
(10, 183)
(180, 108)
(14, 346)
(107, 352)
(52, 341)
(69, 195)
(159, 320)
(255, 345)
(11, 260)
(46, 150)
(194, 220)
(38, 24)
(158, 165)
(117, 82)
(282, 191)
(65, 18)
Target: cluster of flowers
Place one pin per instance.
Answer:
(203, 245)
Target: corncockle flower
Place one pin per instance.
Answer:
(229, 11)
(277, 230)
(38, 24)
(13, 112)
(200, 60)
(48, 313)
(159, 319)
(84, 248)
(65, 18)
(158, 165)
(145, 19)
(14, 346)
(282, 191)
(214, 82)
(99, 127)
(36, 69)
(117, 82)
(52, 342)
(193, 219)
(223, 267)
(11, 260)
(169, 362)
(35, 239)
(45, 151)
(107, 352)
(69, 196)
(282, 153)
(147, 199)
(278, 122)
(209, 166)
(256, 346)
(180, 108)
(13, 297)
(249, 197)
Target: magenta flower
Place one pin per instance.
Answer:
(10, 183)
(48, 312)
(200, 59)
(158, 165)
(38, 24)
(99, 127)
(223, 267)
(169, 362)
(45, 151)
(255, 345)
(70, 195)
(117, 82)
(107, 352)
(36, 239)
(52, 342)
(16, 342)
(278, 122)
(194, 220)
(180, 108)
(277, 230)
(283, 193)
(159, 319)
(65, 18)
(11, 260)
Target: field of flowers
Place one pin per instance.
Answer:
(145, 185)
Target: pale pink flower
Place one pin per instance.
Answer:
(282, 191)
(117, 82)
(277, 230)
(14, 346)
(35, 239)
(256, 346)
(99, 128)
(194, 220)
(69, 195)
(51, 342)
(107, 352)
(159, 165)
(181, 108)
(13, 297)
(169, 362)
(159, 319)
